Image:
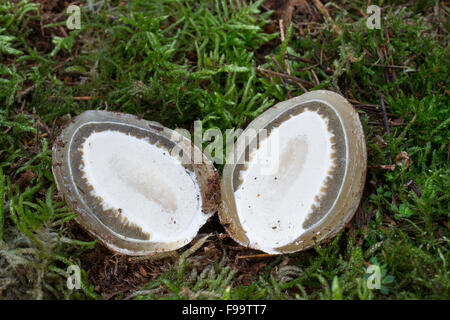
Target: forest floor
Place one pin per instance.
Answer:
(224, 63)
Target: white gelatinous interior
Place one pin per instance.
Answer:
(151, 188)
(272, 206)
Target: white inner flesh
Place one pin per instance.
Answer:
(272, 207)
(152, 189)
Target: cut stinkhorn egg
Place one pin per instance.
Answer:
(296, 174)
(132, 183)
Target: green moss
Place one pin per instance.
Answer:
(180, 61)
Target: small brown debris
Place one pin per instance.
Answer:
(256, 256)
(322, 9)
(390, 220)
(390, 167)
(411, 184)
(83, 98)
(284, 9)
(402, 159)
(142, 271)
(398, 121)
(25, 179)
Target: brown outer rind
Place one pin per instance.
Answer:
(347, 201)
(205, 173)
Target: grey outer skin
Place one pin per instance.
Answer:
(206, 175)
(347, 200)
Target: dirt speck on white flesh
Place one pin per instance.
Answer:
(266, 202)
(144, 183)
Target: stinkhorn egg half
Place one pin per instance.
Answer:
(302, 181)
(129, 187)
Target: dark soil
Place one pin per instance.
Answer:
(113, 273)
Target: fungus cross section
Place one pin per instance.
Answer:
(142, 184)
(272, 207)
